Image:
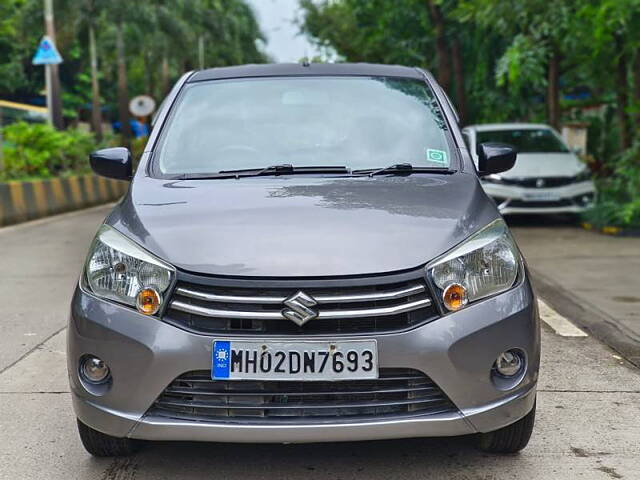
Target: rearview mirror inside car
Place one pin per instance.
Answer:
(112, 163)
(495, 158)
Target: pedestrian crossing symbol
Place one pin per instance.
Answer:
(47, 53)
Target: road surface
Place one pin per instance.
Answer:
(588, 423)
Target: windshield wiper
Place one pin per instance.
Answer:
(281, 169)
(395, 168)
(275, 170)
(401, 169)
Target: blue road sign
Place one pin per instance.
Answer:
(47, 53)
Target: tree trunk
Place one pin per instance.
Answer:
(458, 70)
(149, 84)
(636, 90)
(442, 51)
(164, 76)
(201, 52)
(96, 114)
(123, 93)
(622, 95)
(553, 90)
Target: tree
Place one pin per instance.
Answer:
(613, 29)
(425, 33)
(542, 31)
(90, 11)
(141, 46)
(120, 13)
(442, 49)
(13, 77)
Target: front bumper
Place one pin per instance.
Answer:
(456, 351)
(513, 199)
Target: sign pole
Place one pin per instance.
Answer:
(47, 76)
(54, 91)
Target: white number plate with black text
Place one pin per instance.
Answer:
(540, 197)
(286, 360)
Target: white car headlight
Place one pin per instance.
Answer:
(485, 264)
(118, 269)
(584, 175)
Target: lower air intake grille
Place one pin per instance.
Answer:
(543, 182)
(398, 392)
(543, 204)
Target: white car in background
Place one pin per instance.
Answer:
(547, 177)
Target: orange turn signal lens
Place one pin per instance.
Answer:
(455, 297)
(148, 301)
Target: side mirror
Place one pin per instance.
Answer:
(495, 158)
(112, 163)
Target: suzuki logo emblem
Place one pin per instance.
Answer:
(300, 311)
(540, 183)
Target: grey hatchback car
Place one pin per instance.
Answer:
(304, 254)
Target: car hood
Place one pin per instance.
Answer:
(293, 226)
(545, 165)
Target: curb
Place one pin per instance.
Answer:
(24, 201)
(613, 231)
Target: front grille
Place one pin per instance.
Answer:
(195, 396)
(340, 309)
(541, 182)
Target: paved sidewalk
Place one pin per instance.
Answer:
(593, 279)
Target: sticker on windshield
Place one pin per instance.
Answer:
(437, 156)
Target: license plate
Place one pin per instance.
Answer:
(285, 360)
(540, 197)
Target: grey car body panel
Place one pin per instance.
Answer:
(304, 70)
(296, 228)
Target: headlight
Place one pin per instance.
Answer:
(584, 175)
(485, 264)
(493, 178)
(118, 269)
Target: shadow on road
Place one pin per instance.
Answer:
(547, 221)
(412, 458)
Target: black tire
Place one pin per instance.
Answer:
(100, 444)
(509, 439)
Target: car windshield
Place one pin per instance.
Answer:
(357, 122)
(526, 140)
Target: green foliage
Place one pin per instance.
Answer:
(619, 194)
(506, 45)
(522, 64)
(12, 73)
(382, 31)
(38, 150)
(402, 32)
